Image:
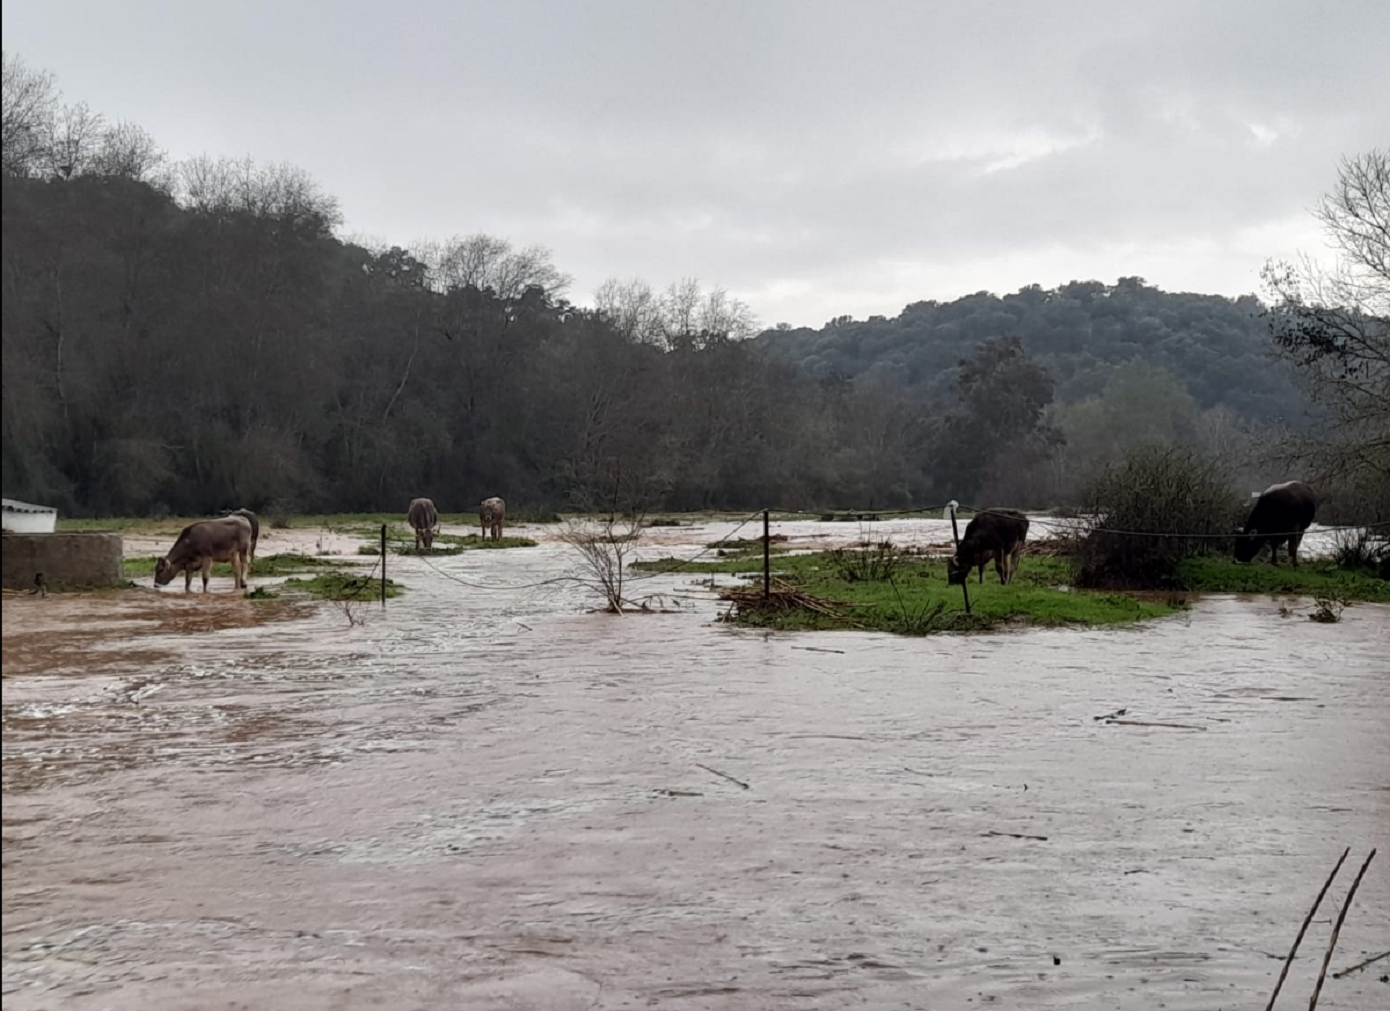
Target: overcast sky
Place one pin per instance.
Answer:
(815, 158)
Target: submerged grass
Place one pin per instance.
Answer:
(266, 565)
(403, 543)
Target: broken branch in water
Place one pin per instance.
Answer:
(1361, 965)
(1337, 929)
(1018, 835)
(819, 649)
(1288, 962)
(725, 775)
(1145, 723)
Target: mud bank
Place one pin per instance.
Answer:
(482, 798)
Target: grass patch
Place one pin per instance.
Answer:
(269, 566)
(918, 600)
(444, 544)
(343, 586)
(1211, 574)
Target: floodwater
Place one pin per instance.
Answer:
(486, 797)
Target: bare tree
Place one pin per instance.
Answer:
(632, 307)
(490, 264)
(683, 316)
(73, 142)
(128, 151)
(277, 191)
(1333, 323)
(28, 101)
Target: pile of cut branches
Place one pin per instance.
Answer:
(783, 596)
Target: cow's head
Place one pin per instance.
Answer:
(956, 573)
(163, 572)
(1247, 546)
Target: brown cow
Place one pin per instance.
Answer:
(424, 520)
(490, 514)
(995, 533)
(200, 544)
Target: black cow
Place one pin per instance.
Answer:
(1281, 513)
(995, 533)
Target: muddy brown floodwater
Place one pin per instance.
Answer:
(484, 797)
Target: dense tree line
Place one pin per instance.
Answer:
(191, 336)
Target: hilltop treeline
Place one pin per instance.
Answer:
(188, 337)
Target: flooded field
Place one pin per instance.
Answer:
(486, 797)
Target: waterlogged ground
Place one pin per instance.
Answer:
(485, 797)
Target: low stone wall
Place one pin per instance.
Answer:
(67, 561)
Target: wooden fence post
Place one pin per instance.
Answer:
(767, 559)
(953, 505)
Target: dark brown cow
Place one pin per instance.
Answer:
(1281, 513)
(200, 544)
(255, 522)
(995, 533)
(490, 514)
(424, 520)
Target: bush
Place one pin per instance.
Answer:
(1363, 549)
(1157, 498)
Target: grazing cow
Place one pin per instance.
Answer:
(255, 533)
(1281, 513)
(490, 514)
(424, 520)
(995, 533)
(200, 544)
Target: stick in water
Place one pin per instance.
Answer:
(725, 775)
(1361, 965)
(1283, 973)
(1327, 959)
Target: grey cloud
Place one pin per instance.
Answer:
(796, 152)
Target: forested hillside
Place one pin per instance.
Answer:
(186, 337)
(1216, 349)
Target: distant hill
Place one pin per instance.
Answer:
(1217, 348)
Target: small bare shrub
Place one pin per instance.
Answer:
(866, 562)
(1363, 549)
(1143, 514)
(604, 547)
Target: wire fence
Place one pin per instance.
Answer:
(1076, 526)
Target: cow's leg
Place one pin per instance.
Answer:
(238, 583)
(1014, 556)
(1001, 567)
(188, 580)
(207, 571)
(1294, 541)
(1274, 551)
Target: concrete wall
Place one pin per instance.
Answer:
(66, 560)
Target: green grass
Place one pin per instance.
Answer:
(343, 586)
(267, 565)
(919, 601)
(1210, 574)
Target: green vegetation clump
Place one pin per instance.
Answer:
(1146, 511)
(344, 586)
